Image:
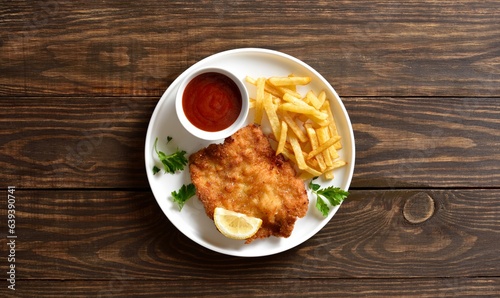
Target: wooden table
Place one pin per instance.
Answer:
(421, 83)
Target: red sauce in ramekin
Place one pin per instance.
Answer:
(212, 101)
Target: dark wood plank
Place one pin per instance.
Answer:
(87, 235)
(119, 285)
(98, 142)
(79, 142)
(364, 48)
(414, 142)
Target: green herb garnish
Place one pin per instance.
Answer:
(184, 194)
(156, 170)
(331, 194)
(171, 163)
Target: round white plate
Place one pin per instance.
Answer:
(192, 220)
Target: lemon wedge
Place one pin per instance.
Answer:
(236, 225)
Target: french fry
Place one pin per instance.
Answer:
(303, 109)
(333, 152)
(297, 150)
(277, 91)
(259, 99)
(323, 147)
(336, 164)
(314, 101)
(295, 100)
(251, 104)
(273, 90)
(313, 172)
(307, 109)
(304, 175)
(294, 126)
(322, 97)
(291, 87)
(251, 80)
(287, 81)
(329, 174)
(292, 157)
(286, 90)
(289, 154)
(270, 109)
(316, 120)
(323, 138)
(327, 134)
(313, 138)
(288, 106)
(282, 139)
(331, 123)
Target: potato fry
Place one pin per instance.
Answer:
(273, 90)
(287, 81)
(270, 109)
(294, 126)
(314, 101)
(277, 91)
(333, 152)
(323, 137)
(285, 90)
(313, 138)
(251, 80)
(322, 97)
(313, 172)
(307, 109)
(303, 109)
(307, 176)
(289, 154)
(316, 120)
(337, 164)
(282, 138)
(297, 150)
(329, 174)
(291, 87)
(323, 147)
(332, 126)
(259, 99)
(295, 100)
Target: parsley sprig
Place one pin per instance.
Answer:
(183, 194)
(172, 162)
(333, 195)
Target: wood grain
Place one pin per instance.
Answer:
(88, 142)
(121, 286)
(375, 48)
(75, 235)
(418, 142)
(82, 142)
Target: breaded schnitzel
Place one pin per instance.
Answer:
(244, 175)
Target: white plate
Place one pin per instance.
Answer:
(192, 220)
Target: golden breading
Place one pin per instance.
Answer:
(244, 175)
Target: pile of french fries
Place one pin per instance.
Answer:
(302, 126)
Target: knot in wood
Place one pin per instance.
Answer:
(418, 208)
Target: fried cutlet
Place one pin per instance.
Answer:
(245, 175)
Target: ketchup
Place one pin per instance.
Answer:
(212, 101)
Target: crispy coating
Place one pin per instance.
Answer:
(244, 175)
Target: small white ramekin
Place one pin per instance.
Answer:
(212, 135)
